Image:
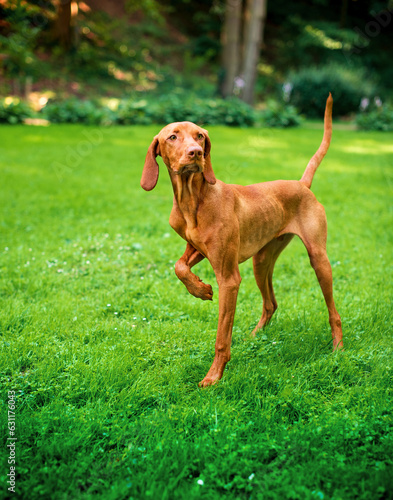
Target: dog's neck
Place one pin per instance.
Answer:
(189, 190)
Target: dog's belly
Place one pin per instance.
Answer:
(249, 248)
(264, 211)
(259, 226)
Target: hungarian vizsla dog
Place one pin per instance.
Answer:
(227, 224)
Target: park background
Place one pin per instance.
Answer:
(101, 343)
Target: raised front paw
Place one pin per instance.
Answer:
(200, 290)
(206, 291)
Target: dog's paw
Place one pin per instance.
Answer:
(201, 290)
(338, 345)
(208, 381)
(206, 291)
(216, 370)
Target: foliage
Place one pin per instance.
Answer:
(314, 32)
(311, 86)
(104, 347)
(164, 109)
(309, 38)
(280, 115)
(19, 38)
(188, 107)
(379, 118)
(157, 44)
(14, 111)
(150, 8)
(77, 111)
(135, 112)
(20, 60)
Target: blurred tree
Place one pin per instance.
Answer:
(240, 50)
(231, 44)
(255, 16)
(66, 10)
(62, 30)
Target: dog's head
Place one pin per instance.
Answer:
(184, 147)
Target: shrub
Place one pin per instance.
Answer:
(166, 109)
(183, 107)
(77, 111)
(14, 111)
(311, 86)
(376, 119)
(280, 115)
(178, 107)
(235, 113)
(131, 112)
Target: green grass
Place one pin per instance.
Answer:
(105, 347)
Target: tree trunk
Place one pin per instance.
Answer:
(231, 45)
(253, 34)
(63, 24)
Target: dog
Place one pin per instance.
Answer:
(228, 224)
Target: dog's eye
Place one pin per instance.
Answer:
(172, 137)
(201, 136)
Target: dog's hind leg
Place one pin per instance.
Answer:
(313, 233)
(321, 265)
(194, 285)
(263, 263)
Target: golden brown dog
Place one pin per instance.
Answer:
(227, 224)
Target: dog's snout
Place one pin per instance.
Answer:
(194, 152)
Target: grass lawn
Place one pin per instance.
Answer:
(104, 347)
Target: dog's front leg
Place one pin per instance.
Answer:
(228, 287)
(194, 285)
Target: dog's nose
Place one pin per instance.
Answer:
(194, 152)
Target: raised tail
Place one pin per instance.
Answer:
(313, 164)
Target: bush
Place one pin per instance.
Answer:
(166, 109)
(232, 112)
(131, 112)
(173, 108)
(77, 111)
(14, 111)
(376, 119)
(310, 88)
(279, 115)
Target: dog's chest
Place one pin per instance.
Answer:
(187, 227)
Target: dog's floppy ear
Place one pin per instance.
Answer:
(208, 173)
(150, 170)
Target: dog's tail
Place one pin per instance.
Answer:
(313, 164)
